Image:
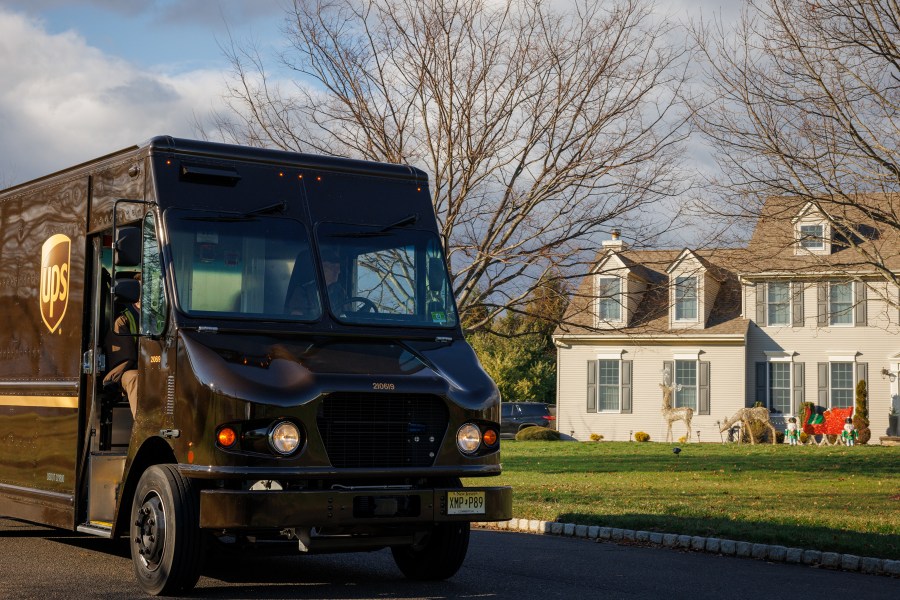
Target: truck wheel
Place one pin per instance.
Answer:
(440, 556)
(165, 533)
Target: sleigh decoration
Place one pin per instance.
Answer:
(830, 422)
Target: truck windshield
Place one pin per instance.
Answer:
(253, 266)
(390, 276)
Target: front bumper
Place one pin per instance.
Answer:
(235, 509)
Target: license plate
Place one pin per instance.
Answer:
(465, 503)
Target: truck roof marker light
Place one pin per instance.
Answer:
(226, 437)
(318, 178)
(300, 176)
(168, 162)
(281, 173)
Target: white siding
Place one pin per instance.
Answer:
(876, 344)
(726, 390)
(710, 291)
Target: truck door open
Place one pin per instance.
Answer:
(109, 420)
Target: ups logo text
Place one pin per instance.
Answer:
(55, 254)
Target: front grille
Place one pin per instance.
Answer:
(382, 430)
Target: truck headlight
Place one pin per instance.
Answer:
(468, 438)
(284, 438)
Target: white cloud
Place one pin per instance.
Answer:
(63, 102)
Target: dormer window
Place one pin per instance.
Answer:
(610, 295)
(812, 237)
(685, 298)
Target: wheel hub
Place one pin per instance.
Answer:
(150, 531)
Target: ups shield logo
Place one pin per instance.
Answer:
(55, 255)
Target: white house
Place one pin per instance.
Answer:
(793, 316)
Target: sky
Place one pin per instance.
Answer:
(83, 78)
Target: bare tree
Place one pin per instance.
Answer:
(540, 129)
(805, 104)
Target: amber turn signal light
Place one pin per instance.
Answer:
(489, 438)
(227, 437)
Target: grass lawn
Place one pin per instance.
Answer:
(832, 499)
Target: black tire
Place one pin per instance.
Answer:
(165, 535)
(439, 557)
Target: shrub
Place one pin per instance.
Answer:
(642, 437)
(861, 414)
(779, 437)
(804, 437)
(537, 434)
(682, 439)
(596, 437)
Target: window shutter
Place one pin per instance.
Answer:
(822, 304)
(592, 366)
(761, 371)
(797, 303)
(627, 366)
(823, 385)
(799, 385)
(761, 304)
(862, 374)
(859, 318)
(703, 389)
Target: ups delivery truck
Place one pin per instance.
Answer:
(298, 370)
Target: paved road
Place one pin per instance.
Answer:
(36, 562)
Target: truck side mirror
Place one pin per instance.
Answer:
(127, 291)
(128, 246)
(435, 274)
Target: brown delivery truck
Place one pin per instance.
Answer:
(209, 344)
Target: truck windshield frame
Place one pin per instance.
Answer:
(377, 276)
(245, 267)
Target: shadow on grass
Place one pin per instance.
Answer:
(817, 538)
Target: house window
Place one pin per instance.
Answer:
(685, 298)
(812, 237)
(780, 387)
(610, 289)
(686, 383)
(841, 384)
(608, 386)
(779, 303)
(840, 303)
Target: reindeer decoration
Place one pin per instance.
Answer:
(747, 416)
(682, 413)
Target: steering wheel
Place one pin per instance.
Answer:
(367, 305)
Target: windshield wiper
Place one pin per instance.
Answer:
(404, 222)
(278, 207)
(232, 217)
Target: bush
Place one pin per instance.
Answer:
(642, 437)
(596, 437)
(804, 437)
(537, 434)
(861, 414)
(682, 439)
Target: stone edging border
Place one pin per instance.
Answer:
(782, 554)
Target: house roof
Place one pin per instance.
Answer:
(861, 229)
(865, 226)
(651, 316)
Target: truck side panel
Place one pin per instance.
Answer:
(42, 272)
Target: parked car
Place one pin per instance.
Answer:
(516, 416)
